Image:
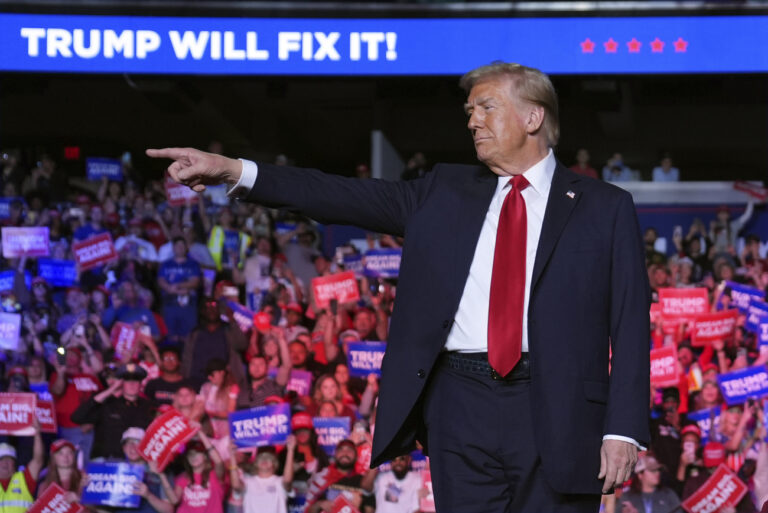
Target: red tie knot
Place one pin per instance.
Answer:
(519, 182)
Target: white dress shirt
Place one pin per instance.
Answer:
(470, 328)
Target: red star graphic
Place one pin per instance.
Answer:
(681, 45)
(587, 46)
(634, 45)
(657, 45)
(611, 46)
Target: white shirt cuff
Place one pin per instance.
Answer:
(246, 181)
(626, 439)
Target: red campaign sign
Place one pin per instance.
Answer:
(341, 286)
(655, 313)
(713, 326)
(664, 367)
(166, 433)
(28, 240)
(427, 503)
(262, 321)
(124, 339)
(94, 251)
(363, 463)
(17, 413)
(754, 190)
(342, 505)
(46, 415)
(178, 194)
(722, 489)
(683, 304)
(54, 501)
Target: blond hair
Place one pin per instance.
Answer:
(528, 84)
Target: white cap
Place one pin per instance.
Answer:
(132, 433)
(7, 450)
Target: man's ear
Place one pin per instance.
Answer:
(534, 119)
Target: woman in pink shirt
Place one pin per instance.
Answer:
(200, 488)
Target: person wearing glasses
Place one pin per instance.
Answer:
(646, 494)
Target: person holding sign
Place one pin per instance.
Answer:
(264, 491)
(63, 471)
(517, 279)
(200, 488)
(17, 489)
(154, 484)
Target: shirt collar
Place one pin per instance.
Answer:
(539, 175)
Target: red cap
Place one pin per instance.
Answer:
(294, 307)
(301, 420)
(60, 444)
(714, 454)
(708, 367)
(692, 429)
(273, 399)
(17, 371)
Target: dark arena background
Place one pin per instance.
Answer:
(668, 100)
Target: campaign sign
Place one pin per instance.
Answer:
(94, 251)
(54, 500)
(664, 367)
(330, 431)
(354, 263)
(41, 389)
(683, 304)
(242, 315)
(46, 415)
(757, 312)
(124, 339)
(112, 484)
(740, 385)
(17, 413)
(178, 195)
(723, 489)
(655, 313)
(740, 296)
(10, 328)
(59, 273)
(762, 333)
(757, 191)
(164, 435)
(5, 206)
(705, 420)
(713, 326)
(97, 168)
(283, 228)
(342, 505)
(340, 286)
(382, 263)
(364, 358)
(262, 321)
(25, 241)
(300, 382)
(7, 277)
(260, 426)
(427, 502)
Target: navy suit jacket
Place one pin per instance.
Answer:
(589, 293)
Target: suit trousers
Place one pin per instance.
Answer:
(481, 446)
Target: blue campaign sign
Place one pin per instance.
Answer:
(97, 168)
(242, 315)
(330, 431)
(59, 273)
(740, 296)
(414, 46)
(740, 385)
(6, 279)
(41, 389)
(364, 358)
(383, 263)
(260, 426)
(354, 263)
(762, 333)
(757, 313)
(5, 206)
(112, 484)
(704, 419)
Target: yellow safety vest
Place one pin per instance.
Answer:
(16, 499)
(216, 246)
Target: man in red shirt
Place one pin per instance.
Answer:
(71, 387)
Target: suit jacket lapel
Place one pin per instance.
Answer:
(563, 196)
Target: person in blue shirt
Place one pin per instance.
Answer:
(127, 308)
(94, 227)
(666, 172)
(179, 280)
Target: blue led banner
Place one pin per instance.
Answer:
(283, 46)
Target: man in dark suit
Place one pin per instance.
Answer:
(517, 279)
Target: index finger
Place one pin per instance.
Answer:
(167, 153)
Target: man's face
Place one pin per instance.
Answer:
(496, 121)
(400, 464)
(131, 450)
(363, 322)
(345, 456)
(185, 397)
(7, 467)
(179, 249)
(298, 354)
(685, 357)
(170, 362)
(650, 236)
(131, 388)
(257, 368)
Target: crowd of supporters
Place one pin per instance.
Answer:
(180, 271)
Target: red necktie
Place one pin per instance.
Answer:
(505, 313)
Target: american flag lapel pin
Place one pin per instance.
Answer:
(570, 194)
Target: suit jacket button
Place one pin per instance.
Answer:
(420, 373)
